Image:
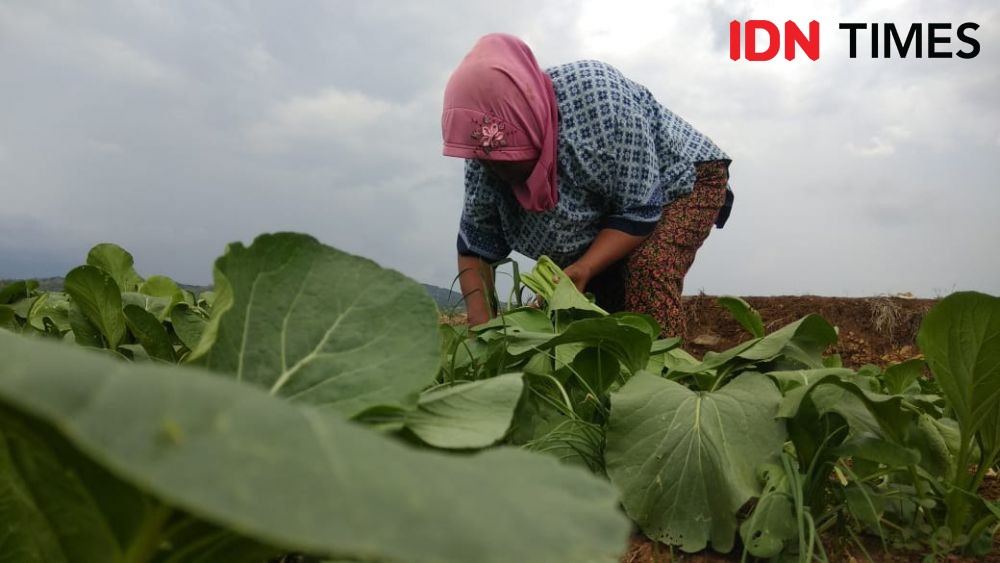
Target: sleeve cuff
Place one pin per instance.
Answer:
(465, 250)
(631, 227)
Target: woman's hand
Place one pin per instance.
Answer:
(610, 246)
(580, 274)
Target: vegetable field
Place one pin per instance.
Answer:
(312, 404)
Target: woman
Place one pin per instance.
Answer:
(584, 165)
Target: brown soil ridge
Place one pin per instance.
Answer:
(872, 330)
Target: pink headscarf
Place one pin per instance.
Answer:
(499, 105)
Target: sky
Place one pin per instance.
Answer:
(174, 128)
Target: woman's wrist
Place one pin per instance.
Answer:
(476, 281)
(586, 268)
(610, 246)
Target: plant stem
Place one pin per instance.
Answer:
(980, 475)
(955, 501)
(149, 536)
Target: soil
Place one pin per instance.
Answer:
(873, 330)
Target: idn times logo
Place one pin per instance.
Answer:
(886, 40)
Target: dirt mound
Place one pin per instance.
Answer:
(873, 330)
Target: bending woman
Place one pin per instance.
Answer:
(582, 164)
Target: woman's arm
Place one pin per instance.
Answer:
(475, 277)
(610, 246)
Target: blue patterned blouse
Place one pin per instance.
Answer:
(621, 158)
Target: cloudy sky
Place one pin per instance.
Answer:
(173, 128)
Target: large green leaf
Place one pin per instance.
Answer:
(22, 307)
(803, 341)
(206, 299)
(865, 504)
(15, 291)
(747, 316)
(570, 440)
(662, 345)
(161, 286)
(188, 324)
(800, 343)
(156, 305)
(166, 292)
(8, 319)
(150, 333)
(714, 360)
(646, 324)
(594, 371)
(304, 479)
(316, 325)
(902, 378)
(791, 379)
(542, 423)
(873, 448)
(622, 336)
(525, 319)
(70, 510)
(117, 263)
(49, 507)
(467, 415)
(193, 541)
(960, 338)
(814, 436)
(85, 333)
(772, 522)
(66, 508)
(99, 299)
(685, 461)
(938, 441)
(681, 361)
(53, 306)
(566, 297)
(863, 410)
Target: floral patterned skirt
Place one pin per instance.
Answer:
(651, 279)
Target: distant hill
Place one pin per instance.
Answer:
(56, 284)
(446, 299)
(44, 284)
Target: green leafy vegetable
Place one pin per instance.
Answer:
(99, 300)
(549, 282)
(773, 520)
(117, 263)
(467, 415)
(961, 339)
(747, 316)
(15, 291)
(319, 326)
(57, 519)
(299, 478)
(686, 461)
(188, 324)
(150, 333)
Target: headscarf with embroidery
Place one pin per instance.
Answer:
(500, 105)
